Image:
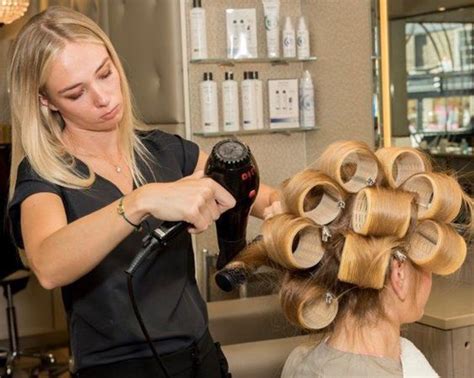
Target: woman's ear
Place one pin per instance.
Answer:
(45, 102)
(399, 278)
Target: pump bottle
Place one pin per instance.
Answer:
(288, 39)
(198, 31)
(230, 103)
(209, 107)
(306, 90)
(302, 39)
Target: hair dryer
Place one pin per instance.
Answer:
(233, 166)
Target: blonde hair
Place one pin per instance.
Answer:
(345, 262)
(37, 130)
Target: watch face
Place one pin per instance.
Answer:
(231, 151)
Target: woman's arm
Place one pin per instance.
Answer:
(59, 253)
(267, 200)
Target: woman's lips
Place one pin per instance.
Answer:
(110, 115)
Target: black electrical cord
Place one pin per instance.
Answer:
(149, 244)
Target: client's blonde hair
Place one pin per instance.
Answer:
(345, 220)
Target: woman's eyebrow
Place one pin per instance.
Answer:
(78, 84)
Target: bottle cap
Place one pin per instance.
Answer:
(256, 75)
(246, 75)
(209, 75)
(196, 3)
(205, 76)
(250, 75)
(226, 76)
(231, 76)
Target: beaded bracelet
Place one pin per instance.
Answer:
(121, 211)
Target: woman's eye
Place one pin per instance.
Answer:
(106, 75)
(75, 96)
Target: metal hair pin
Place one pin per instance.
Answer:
(399, 256)
(329, 298)
(370, 181)
(325, 234)
(341, 205)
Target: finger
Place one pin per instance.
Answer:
(195, 175)
(224, 199)
(214, 209)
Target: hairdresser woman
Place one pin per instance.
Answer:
(85, 182)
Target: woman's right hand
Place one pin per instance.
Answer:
(196, 199)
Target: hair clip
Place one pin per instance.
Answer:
(341, 205)
(399, 256)
(325, 234)
(329, 298)
(370, 181)
(257, 239)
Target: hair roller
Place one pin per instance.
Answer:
(352, 164)
(314, 195)
(243, 265)
(399, 163)
(294, 243)
(307, 305)
(382, 212)
(439, 196)
(437, 247)
(364, 260)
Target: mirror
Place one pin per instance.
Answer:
(432, 77)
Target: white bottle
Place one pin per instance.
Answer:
(302, 39)
(307, 119)
(209, 107)
(230, 103)
(288, 40)
(259, 97)
(198, 31)
(249, 108)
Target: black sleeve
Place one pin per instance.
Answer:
(27, 183)
(185, 151)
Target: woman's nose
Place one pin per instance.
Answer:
(100, 97)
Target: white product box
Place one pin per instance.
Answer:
(241, 27)
(283, 103)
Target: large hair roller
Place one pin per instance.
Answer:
(307, 305)
(364, 260)
(437, 247)
(294, 243)
(382, 211)
(439, 196)
(314, 195)
(400, 163)
(354, 166)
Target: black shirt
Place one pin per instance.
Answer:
(102, 326)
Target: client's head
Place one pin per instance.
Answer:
(361, 235)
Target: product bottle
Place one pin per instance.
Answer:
(209, 107)
(249, 108)
(288, 40)
(230, 103)
(259, 100)
(302, 39)
(198, 31)
(307, 101)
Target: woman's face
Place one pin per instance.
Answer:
(84, 87)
